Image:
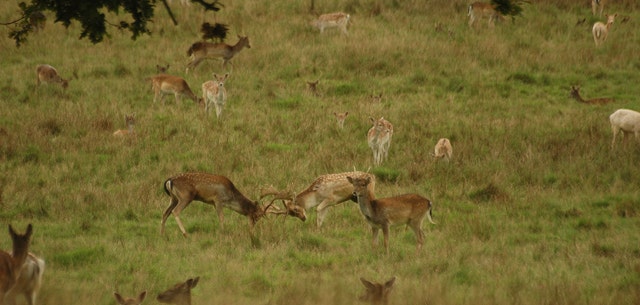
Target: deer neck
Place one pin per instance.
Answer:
(364, 202)
(238, 46)
(578, 97)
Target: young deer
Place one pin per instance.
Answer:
(333, 20)
(601, 30)
(443, 149)
(213, 92)
(340, 117)
(216, 190)
(200, 51)
(130, 120)
(379, 139)
(11, 264)
(49, 74)
(29, 281)
(377, 294)
(480, 10)
(627, 121)
(164, 84)
(597, 6)
(180, 294)
(130, 301)
(409, 209)
(575, 93)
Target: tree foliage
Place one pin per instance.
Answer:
(511, 8)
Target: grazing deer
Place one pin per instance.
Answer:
(480, 10)
(443, 149)
(313, 88)
(130, 120)
(601, 30)
(597, 6)
(211, 189)
(11, 264)
(340, 117)
(29, 281)
(130, 301)
(409, 209)
(377, 294)
(164, 84)
(575, 93)
(49, 74)
(162, 69)
(200, 51)
(379, 139)
(213, 92)
(37, 20)
(333, 20)
(627, 121)
(180, 294)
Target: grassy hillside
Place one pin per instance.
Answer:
(534, 208)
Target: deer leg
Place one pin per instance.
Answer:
(220, 211)
(385, 233)
(415, 226)
(172, 204)
(615, 133)
(374, 241)
(176, 213)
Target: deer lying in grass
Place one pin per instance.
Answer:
(164, 84)
(332, 20)
(597, 6)
(216, 190)
(214, 94)
(29, 281)
(37, 20)
(200, 51)
(162, 69)
(627, 121)
(340, 117)
(11, 264)
(313, 88)
(376, 98)
(49, 74)
(379, 139)
(377, 294)
(409, 209)
(180, 294)
(443, 149)
(480, 10)
(600, 30)
(575, 93)
(130, 301)
(130, 120)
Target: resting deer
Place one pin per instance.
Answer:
(180, 294)
(164, 84)
(575, 93)
(597, 6)
(200, 51)
(130, 301)
(162, 69)
(377, 294)
(600, 30)
(29, 281)
(379, 139)
(49, 74)
(443, 149)
(130, 120)
(333, 20)
(216, 190)
(409, 209)
(213, 92)
(340, 117)
(313, 88)
(376, 98)
(37, 20)
(627, 121)
(480, 10)
(11, 264)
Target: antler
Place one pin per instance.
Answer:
(277, 195)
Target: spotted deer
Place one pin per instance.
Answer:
(332, 20)
(180, 293)
(29, 281)
(376, 293)
(575, 93)
(200, 51)
(11, 264)
(130, 120)
(600, 30)
(49, 74)
(480, 10)
(164, 84)
(379, 139)
(340, 118)
(443, 149)
(214, 94)
(130, 301)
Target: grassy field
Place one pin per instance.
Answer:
(534, 208)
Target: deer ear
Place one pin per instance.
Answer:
(142, 296)
(367, 284)
(118, 298)
(390, 282)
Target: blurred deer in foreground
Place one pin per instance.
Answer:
(200, 51)
(11, 264)
(214, 94)
(377, 294)
(332, 20)
(379, 139)
(340, 117)
(179, 294)
(600, 30)
(29, 281)
(49, 74)
(443, 149)
(130, 301)
(130, 120)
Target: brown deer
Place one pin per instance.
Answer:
(162, 69)
(29, 281)
(443, 149)
(379, 139)
(49, 74)
(130, 120)
(164, 84)
(600, 30)
(332, 20)
(179, 294)
(377, 99)
(130, 301)
(377, 294)
(216, 190)
(409, 209)
(214, 94)
(575, 93)
(479, 10)
(313, 88)
(200, 51)
(340, 117)
(37, 20)
(11, 264)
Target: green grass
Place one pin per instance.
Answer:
(534, 208)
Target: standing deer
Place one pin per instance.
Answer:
(575, 93)
(600, 30)
(597, 6)
(377, 294)
(200, 51)
(214, 92)
(333, 20)
(130, 301)
(480, 10)
(409, 209)
(379, 139)
(130, 120)
(340, 117)
(29, 281)
(164, 84)
(443, 149)
(49, 74)
(627, 121)
(11, 264)
(180, 294)
(216, 190)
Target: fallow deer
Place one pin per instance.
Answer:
(214, 94)
(379, 139)
(600, 30)
(216, 190)
(49, 74)
(409, 209)
(575, 93)
(597, 6)
(377, 99)
(162, 69)
(313, 88)
(179, 294)
(130, 120)
(625, 121)
(130, 301)
(29, 281)
(37, 20)
(164, 84)
(332, 20)
(376, 293)
(11, 264)
(200, 51)
(340, 117)
(480, 10)
(443, 149)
